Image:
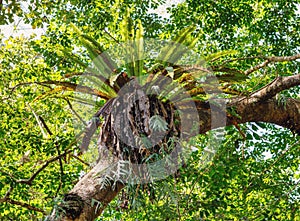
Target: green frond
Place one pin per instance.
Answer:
(178, 46)
(133, 45)
(94, 42)
(126, 27)
(104, 64)
(74, 58)
(232, 77)
(218, 55)
(139, 50)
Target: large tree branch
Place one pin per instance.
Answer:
(90, 196)
(260, 106)
(270, 90)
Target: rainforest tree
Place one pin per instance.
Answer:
(119, 113)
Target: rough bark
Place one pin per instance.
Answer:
(89, 197)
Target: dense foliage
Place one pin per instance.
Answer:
(255, 172)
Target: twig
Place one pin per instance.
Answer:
(33, 176)
(58, 152)
(7, 194)
(9, 175)
(29, 180)
(82, 161)
(241, 59)
(25, 205)
(272, 60)
(38, 121)
(74, 112)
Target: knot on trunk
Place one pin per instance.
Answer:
(72, 205)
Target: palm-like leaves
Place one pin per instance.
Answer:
(109, 81)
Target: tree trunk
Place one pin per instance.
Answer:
(89, 197)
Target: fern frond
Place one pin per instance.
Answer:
(139, 50)
(179, 45)
(215, 56)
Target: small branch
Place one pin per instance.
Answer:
(241, 59)
(27, 84)
(257, 67)
(57, 149)
(110, 35)
(80, 160)
(284, 58)
(272, 60)
(25, 205)
(7, 194)
(38, 121)
(9, 175)
(74, 112)
(29, 180)
(22, 204)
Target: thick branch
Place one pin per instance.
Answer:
(89, 197)
(89, 188)
(270, 90)
(285, 114)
